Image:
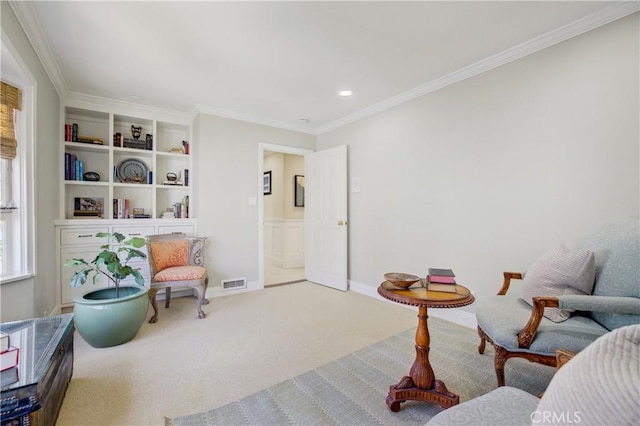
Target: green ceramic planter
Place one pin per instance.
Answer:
(104, 321)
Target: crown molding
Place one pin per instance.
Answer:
(31, 26)
(99, 103)
(573, 29)
(225, 113)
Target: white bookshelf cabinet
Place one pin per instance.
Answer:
(75, 235)
(150, 194)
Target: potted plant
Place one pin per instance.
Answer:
(113, 315)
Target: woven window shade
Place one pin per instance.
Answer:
(11, 100)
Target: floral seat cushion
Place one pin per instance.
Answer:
(181, 273)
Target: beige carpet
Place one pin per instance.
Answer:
(351, 390)
(248, 342)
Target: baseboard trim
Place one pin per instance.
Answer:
(458, 316)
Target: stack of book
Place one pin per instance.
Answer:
(8, 354)
(140, 214)
(441, 280)
(121, 208)
(73, 167)
(71, 135)
(181, 209)
(178, 181)
(137, 144)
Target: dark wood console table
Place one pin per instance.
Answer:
(421, 384)
(32, 392)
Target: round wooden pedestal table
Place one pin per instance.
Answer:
(421, 384)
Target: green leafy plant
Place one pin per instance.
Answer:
(109, 263)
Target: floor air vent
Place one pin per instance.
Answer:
(234, 284)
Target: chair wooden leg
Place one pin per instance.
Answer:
(167, 297)
(499, 361)
(483, 340)
(152, 298)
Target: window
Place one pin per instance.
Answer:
(17, 245)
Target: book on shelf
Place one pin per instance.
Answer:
(172, 182)
(73, 167)
(89, 139)
(181, 209)
(136, 144)
(9, 358)
(441, 276)
(4, 341)
(121, 208)
(87, 213)
(71, 132)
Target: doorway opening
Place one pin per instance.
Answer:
(281, 213)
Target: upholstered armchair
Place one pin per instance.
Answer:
(568, 299)
(598, 386)
(176, 260)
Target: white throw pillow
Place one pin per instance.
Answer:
(599, 386)
(560, 271)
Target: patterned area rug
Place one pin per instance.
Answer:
(352, 390)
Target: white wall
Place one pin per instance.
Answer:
(485, 175)
(37, 296)
(226, 165)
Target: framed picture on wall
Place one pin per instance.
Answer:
(266, 183)
(298, 191)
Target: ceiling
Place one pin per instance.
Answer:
(283, 63)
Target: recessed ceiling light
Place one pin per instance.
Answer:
(134, 97)
(345, 93)
(303, 120)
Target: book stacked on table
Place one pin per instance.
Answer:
(8, 353)
(441, 280)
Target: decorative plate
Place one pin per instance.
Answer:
(132, 170)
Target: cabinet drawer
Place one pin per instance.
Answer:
(134, 231)
(174, 229)
(82, 236)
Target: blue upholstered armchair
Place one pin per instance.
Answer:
(598, 386)
(517, 328)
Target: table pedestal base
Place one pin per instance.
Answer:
(406, 390)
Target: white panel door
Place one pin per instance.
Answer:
(326, 217)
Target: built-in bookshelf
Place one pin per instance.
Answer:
(108, 157)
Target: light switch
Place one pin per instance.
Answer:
(253, 201)
(355, 184)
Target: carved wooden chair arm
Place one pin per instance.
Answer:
(563, 356)
(526, 335)
(508, 276)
